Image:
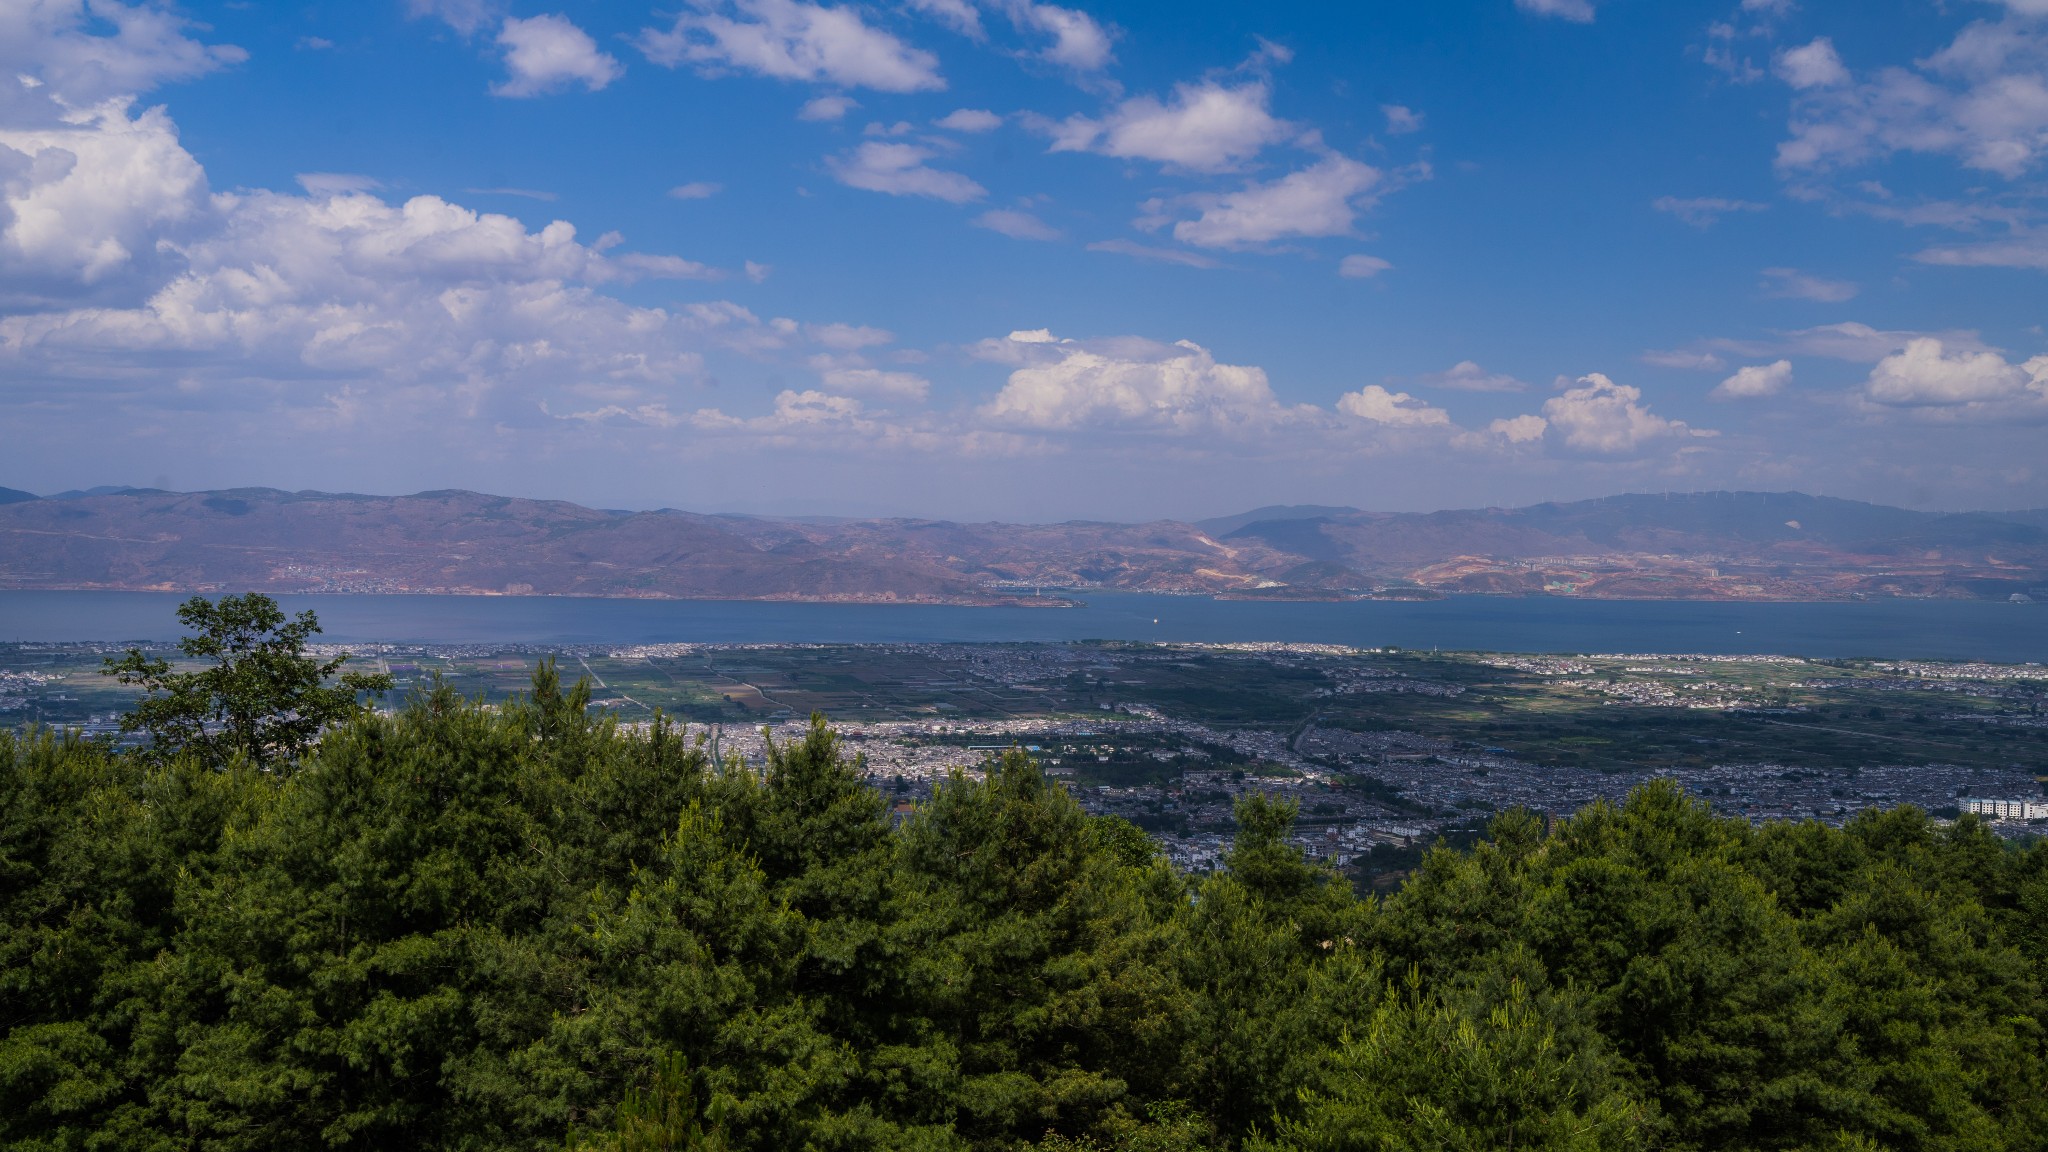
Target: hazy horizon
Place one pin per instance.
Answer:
(1028, 261)
(798, 512)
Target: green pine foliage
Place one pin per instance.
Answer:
(460, 927)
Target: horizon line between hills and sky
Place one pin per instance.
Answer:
(1275, 511)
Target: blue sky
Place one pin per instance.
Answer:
(1025, 260)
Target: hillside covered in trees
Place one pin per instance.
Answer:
(461, 927)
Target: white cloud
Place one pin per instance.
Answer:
(1852, 342)
(959, 15)
(1316, 201)
(695, 190)
(1525, 429)
(1136, 384)
(329, 183)
(86, 208)
(1205, 127)
(539, 194)
(900, 170)
(465, 16)
(1016, 224)
(71, 52)
(866, 381)
(1151, 252)
(814, 419)
(1467, 376)
(1754, 381)
(450, 308)
(1399, 409)
(1577, 11)
(1604, 417)
(1401, 119)
(970, 120)
(832, 106)
(1814, 65)
(1983, 100)
(547, 53)
(1684, 358)
(758, 273)
(1704, 211)
(1792, 284)
(1078, 42)
(636, 265)
(335, 305)
(2023, 248)
(1928, 376)
(849, 337)
(1361, 267)
(792, 40)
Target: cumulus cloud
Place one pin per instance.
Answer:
(1135, 384)
(1814, 65)
(1525, 429)
(1704, 211)
(465, 16)
(1926, 375)
(1016, 224)
(695, 190)
(867, 381)
(792, 40)
(1982, 100)
(1467, 376)
(1078, 42)
(1600, 416)
(335, 304)
(1850, 341)
(83, 54)
(1792, 284)
(87, 207)
(548, 53)
(1576, 11)
(429, 300)
(970, 120)
(1754, 381)
(959, 15)
(1361, 267)
(1204, 127)
(832, 106)
(900, 170)
(1397, 409)
(1401, 119)
(1320, 200)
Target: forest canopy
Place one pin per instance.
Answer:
(458, 926)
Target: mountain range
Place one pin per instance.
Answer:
(1707, 545)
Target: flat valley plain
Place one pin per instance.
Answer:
(1384, 750)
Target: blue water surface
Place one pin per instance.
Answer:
(1924, 629)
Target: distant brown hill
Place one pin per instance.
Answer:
(1783, 546)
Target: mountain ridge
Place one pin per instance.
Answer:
(1724, 545)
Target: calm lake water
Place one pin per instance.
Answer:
(1900, 628)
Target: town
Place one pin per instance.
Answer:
(1385, 752)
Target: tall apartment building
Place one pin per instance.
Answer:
(2005, 809)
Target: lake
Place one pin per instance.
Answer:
(1925, 629)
